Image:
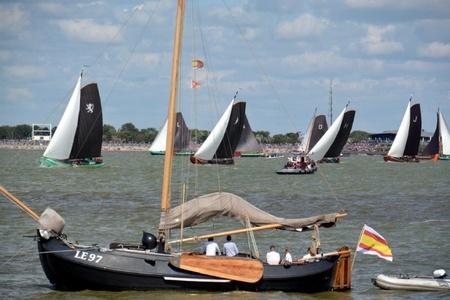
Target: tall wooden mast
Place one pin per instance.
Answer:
(171, 117)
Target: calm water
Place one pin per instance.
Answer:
(409, 204)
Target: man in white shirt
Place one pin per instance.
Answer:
(287, 257)
(273, 257)
(310, 256)
(212, 248)
(230, 248)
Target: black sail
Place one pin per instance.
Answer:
(342, 136)
(248, 141)
(88, 137)
(433, 146)
(318, 130)
(415, 130)
(182, 136)
(233, 133)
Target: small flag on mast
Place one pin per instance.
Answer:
(195, 84)
(197, 64)
(371, 242)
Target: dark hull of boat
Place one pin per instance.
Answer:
(187, 153)
(256, 154)
(428, 157)
(73, 267)
(388, 158)
(215, 161)
(333, 160)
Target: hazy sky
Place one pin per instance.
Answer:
(280, 55)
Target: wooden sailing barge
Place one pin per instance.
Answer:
(329, 147)
(406, 143)
(78, 138)
(220, 145)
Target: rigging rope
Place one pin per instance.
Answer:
(261, 68)
(272, 87)
(96, 60)
(210, 83)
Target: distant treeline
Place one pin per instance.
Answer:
(128, 133)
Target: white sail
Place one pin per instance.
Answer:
(445, 135)
(399, 144)
(209, 147)
(62, 141)
(159, 144)
(323, 145)
(306, 139)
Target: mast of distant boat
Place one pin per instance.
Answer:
(171, 115)
(331, 101)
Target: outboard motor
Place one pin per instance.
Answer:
(439, 274)
(149, 241)
(50, 223)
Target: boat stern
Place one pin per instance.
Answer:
(342, 273)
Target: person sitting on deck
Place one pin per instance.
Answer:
(273, 257)
(230, 248)
(212, 248)
(309, 256)
(287, 260)
(302, 163)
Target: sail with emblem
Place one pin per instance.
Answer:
(221, 143)
(78, 136)
(316, 129)
(334, 136)
(406, 143)
(342, 136)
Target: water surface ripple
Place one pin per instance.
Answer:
(407, 203)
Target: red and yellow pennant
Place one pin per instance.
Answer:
(195, 84)
(371, 242)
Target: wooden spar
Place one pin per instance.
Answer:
(225, 233)
(171, 115)
(233, 268)
(238, 231)
(19, 203)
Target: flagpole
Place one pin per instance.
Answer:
(356, 249)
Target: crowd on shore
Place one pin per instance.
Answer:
(41, 145)
(369, 147)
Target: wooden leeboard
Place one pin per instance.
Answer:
(233, 268)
